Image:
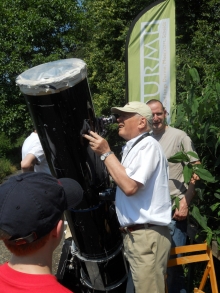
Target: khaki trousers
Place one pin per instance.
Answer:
(147, 251)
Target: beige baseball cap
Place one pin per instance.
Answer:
(134, 107)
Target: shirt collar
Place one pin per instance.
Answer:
(130, 143)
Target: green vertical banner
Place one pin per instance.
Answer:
(150, 56)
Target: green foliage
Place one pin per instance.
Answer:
(6, 168)
(198, 41)
(189, 168)
(179, 157)
(31, 33)
(197, 116)
(5, 145)
(106, 29)
(203, 173)
(187, 172)
(8, 145)
(35, 32)
(10, 155)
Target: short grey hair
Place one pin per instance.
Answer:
(149, 121)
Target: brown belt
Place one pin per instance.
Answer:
(135, 227)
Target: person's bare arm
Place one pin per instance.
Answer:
(182, 212)
(117, 171)
(27, 164)
(100, 146)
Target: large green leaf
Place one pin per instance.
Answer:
(194, 74)
(187, 173)
(194, 106)
(192, 154)
(178, 158)
(204, 174)
(199, 218)
(217, 195)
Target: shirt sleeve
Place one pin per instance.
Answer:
(189, 147)
(37, 150)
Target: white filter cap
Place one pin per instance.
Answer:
(52, 77)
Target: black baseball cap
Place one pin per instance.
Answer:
(32, 203)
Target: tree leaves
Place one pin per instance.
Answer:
(31, 33)
(190, 168)
(199, 120)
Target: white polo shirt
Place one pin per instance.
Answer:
(147, 164)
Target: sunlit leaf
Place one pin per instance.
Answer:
(204, 174)
(177, 202)
(187, 173)
(215, 206)
(192, 154)
(178, 158)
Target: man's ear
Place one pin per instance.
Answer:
(165, 113)
(142, 122)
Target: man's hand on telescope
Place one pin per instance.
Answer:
(98, 144)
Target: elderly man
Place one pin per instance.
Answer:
(142, 198)
(172, 140)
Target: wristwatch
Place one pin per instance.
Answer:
(104, 156)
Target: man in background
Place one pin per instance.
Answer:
(32, 209)
(33, 157)
(172, 140)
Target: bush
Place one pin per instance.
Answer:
(5, 145)
(10, 155)
(197, 115)
(6, 168)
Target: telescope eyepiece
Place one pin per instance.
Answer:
(109, 120)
